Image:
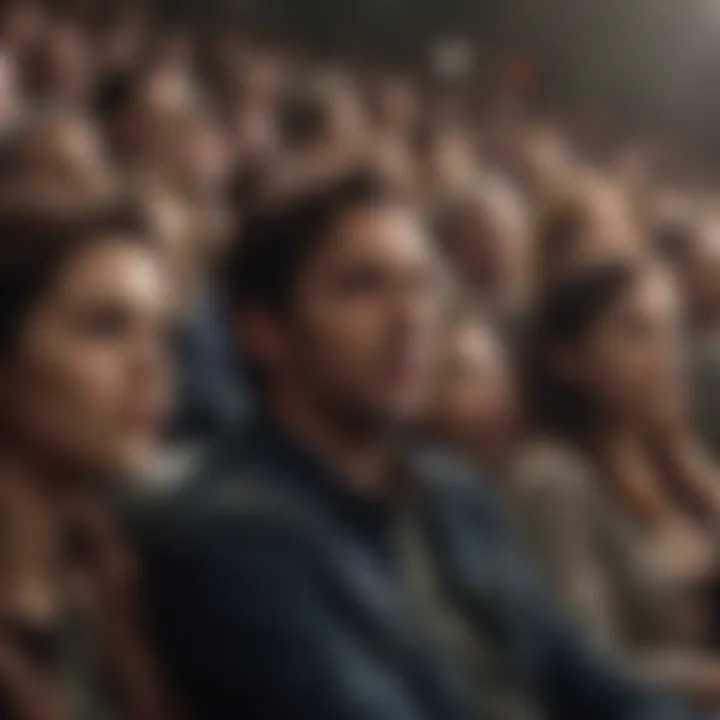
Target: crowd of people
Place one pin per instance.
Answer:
(329, 390)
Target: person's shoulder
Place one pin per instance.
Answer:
(231, 495)
(457, 483)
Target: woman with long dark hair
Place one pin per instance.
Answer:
(616, 502)
(82, 395)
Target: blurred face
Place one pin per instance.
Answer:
(632, 361)
(153, 126)
(474, 406)
(545, 164)
(702, 278)
(86, 382)
(70, 67)
(610, 233)
(9, 93)
(491, 248)
(121, 45)
(347, 125)
(254, 133)
(397, 105)
(24, 24)
(362, 334)
(67, 155)
(201, 160)
(449, 163)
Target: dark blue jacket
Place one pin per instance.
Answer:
(209, 394)
(274, 594)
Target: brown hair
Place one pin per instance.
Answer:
(39, 237)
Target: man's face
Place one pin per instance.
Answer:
(362, 332)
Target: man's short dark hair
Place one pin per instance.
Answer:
(277, 239)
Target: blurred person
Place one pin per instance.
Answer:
(315, 567)
(201, 162)
(475, 409)
(22, 23)
(207, 394)
(56, 151)
(61, 67)
(612, 498)
(321, 115)
(120, 39)
(700, 276)
(10, 96)
(542, 161)
(264, 72)
(696, 261)
(591, 223)
(485, 230)
(395, 106)
(175, 50)
(82, 377)
(141, 114)
(253, 132)
(445, 162)
(171, 224)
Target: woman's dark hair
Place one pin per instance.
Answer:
(38, 239)
(566, 313)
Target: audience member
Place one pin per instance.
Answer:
(611, 497)
(82, 321)
(318, 568)
(476, 406)
(57, 151)
(485, 231)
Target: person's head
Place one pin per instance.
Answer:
(445, 160)
(200, 163)
(395, 104)
(485, 231)
(337, 294)
(588, 224)
(320, 113)
(605, 349)
(475, 406)
(10, 99)
(141, 112)
(542, 161)
(172, 226)
(120, 39)
(82, 313)
(62, 67)
(699, 273)
(22, 22)
(58, 150)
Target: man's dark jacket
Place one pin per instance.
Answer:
(274, 594)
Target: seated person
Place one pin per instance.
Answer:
(615, 499)
(318, 568)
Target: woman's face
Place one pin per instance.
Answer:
(475, 405)
(87, 380)
(633, 359)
